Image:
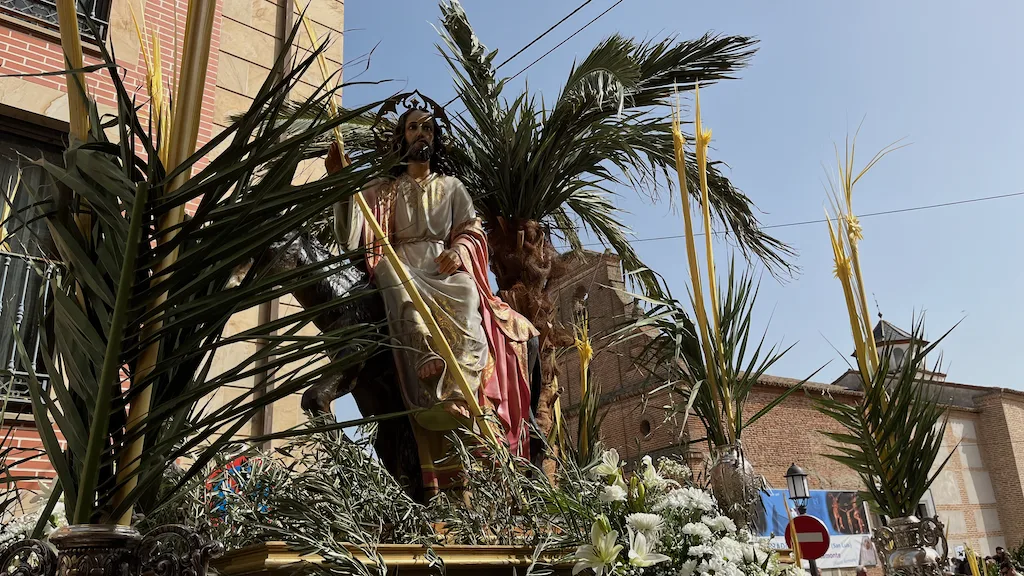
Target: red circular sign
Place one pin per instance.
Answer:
(811, 534)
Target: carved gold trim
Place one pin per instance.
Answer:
(272, 557)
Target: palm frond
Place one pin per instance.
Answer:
(672, 356)
(108, 307)
(895, 432)
(523, 161)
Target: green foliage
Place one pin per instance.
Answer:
(1017, 556)
(111, 301)
(588, 423)
(321, 493)
(524, 161)
(671, 354)
(608, 126)
(893, 435)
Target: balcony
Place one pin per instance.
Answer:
(22, 299)
(44, 13)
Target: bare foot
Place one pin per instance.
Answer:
(431, 370)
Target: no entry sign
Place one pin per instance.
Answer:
(812, 535)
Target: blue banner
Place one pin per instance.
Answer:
(843, 514)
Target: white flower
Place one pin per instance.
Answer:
(720, 523)
(650, 475)
(609, 465)
(699, 550)
(722, 567)
(698, 529)
(729, 550)
(613, 493)
(600, 554)
(687, 568)
(674, 469)
(686, 499)
(642, 554)
(649, 525)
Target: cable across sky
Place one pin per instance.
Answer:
(822, 220)
(545, 33)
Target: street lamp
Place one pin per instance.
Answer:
(796, 481)
(799, 493)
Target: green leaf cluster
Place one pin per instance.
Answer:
(112, 300)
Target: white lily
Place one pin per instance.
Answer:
(609, 464)
(601, 554)
(652, 479)
(641, 553)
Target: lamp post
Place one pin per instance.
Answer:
(799, 493)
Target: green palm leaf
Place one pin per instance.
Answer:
(608, 126)
(672, 357)
(900, 414)
(108, 290)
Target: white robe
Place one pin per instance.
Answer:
(423, 218)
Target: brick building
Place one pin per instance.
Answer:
(247, 36)
(977, 495)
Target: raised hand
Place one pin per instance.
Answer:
(449, 262)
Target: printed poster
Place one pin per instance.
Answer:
(843, 514)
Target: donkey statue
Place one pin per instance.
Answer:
(372, 382)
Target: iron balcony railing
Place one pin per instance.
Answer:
(45, 13)
(23, 297)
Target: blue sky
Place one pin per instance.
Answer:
(944, 75)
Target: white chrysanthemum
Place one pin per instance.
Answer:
(698, 529)
(699, 550)
(720, 523)
(729, 550)
(687, 568)
(650, 525)
(688, 498)
(613, 493)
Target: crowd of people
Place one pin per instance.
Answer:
(1000, 559)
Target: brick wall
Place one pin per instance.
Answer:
(1001, 432)
(24, 439)
(31, 50)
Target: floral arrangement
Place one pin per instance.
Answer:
(21, 527)
(659, 522)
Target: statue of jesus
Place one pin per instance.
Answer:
(430, 219)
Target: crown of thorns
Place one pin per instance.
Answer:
(385, 124)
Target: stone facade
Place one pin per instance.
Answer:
(976, 495)
(246, 37)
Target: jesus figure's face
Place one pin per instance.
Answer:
(419, 136)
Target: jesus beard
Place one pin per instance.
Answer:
(421, 151)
